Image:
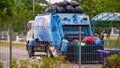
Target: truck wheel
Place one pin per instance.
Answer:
(26, 47)
(30, 51)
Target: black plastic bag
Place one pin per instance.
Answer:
(78, 10)
(74, 4)
(51, 9)
(69, 9)
(60, 9)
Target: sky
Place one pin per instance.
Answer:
(54, 1)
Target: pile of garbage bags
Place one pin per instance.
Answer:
(65, 7)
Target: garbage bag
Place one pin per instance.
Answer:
(60, 9)
(63, 4)
(74, 3)
(51, 9)
(69, 9)
(79, 10)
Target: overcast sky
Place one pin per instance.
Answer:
(54, 1)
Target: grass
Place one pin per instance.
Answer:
(113, 43)
(14, 44)
(1, 65)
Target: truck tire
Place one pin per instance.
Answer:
(27, 45)
(30, 51)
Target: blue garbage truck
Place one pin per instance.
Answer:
(51, 28)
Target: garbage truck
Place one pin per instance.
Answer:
(51, 28)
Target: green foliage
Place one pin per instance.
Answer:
(14, 63)
(101, 27)
(94, 7)
(114, 60)
(1, 65)
(52, 62)
(39, 63)
(24, 64)
(68, 66)
(34, 65)
(18, 12)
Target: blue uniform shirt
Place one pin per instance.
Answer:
(64, 45)
(98, 42)
(32, 42)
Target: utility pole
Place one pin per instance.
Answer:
(79, 46)
(10, 34)
(33, 7)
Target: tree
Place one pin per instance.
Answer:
(6, 12)
(94, 7)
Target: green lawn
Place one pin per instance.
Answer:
(14, 44)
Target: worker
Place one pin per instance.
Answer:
(33, 42)
(64, 46)
(99, 41)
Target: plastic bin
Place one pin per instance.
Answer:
(106, 53)
(89, 53)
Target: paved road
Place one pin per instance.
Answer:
(16, 52)
(22, 54)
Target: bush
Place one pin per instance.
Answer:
(45, 62)
(112, 61)
(1, 65)
(52, 62)
(14, 63)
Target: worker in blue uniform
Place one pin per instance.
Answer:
(99, 41)
(64, 46)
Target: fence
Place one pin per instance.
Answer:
(13, 44)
